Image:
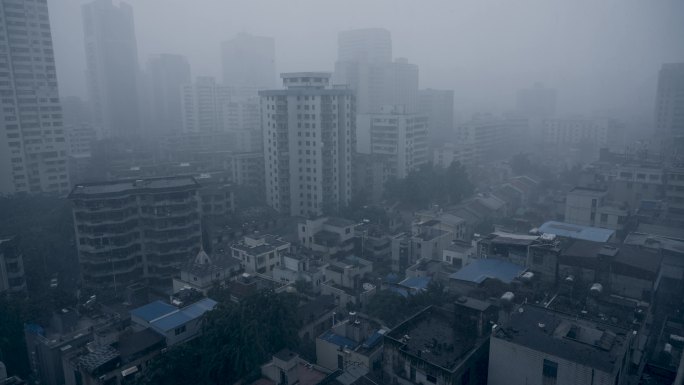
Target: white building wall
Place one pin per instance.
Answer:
(512, 364)
(303, 174)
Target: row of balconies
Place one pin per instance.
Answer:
(104, 205)
(116, 254)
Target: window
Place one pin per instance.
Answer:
(549, 372)
(340, 362)
(180, 330)
(604, 218)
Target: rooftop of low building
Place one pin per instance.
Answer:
(124, 186)
(431, 335)
(568, 230)
(489, 268)
(588, 343)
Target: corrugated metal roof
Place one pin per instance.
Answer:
(419, 283)
(481, 269)
(568, 230)
(183, 316)
(153, 310)
(338, 339)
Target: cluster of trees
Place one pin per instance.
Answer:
(392, 308)
(236, 340)
(44, 226)
(431, 185)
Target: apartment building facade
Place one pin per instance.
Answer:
(132, 231)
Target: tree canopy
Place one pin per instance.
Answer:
(236, 340)
(431, 185)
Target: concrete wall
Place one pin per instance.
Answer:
(511, 364)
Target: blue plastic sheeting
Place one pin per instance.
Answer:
(402, 292)
(373, 340)
(568, 230)
(171, 321)
(418, 283)
(481, 269)
(153, 310)
(338, 339)
(181, 317)
(198, 308)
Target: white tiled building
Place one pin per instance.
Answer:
(33, 147)
(309, 134)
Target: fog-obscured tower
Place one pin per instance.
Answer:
(438, 106)
(309, 136)
(669, 109)
(369, 45)
(112, 67)
(33, 148)
(165, 76)
(537, 101)
(249, 61)
(364, 62)
(361, 55)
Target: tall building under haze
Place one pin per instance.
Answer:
(33, 148)
(309, 133)
(369, 45)
(201, 105)
(165, 76)
(438, 106)
(361, 54)
(249, 61)
(537, 101)
(135, 231)
(669, 109)
(112, 67)
(364, 62)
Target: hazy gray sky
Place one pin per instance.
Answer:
(600, 54)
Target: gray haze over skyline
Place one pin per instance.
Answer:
(600, 55)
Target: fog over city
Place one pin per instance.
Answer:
(350, 192)
(600, 55)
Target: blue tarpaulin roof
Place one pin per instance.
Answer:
(402, 292)
(338, 339)
(373, 340)
(569, 230)
(171, 321)
(200, 307)
(418, 283)
(181, 317)
(481, 269)
(153, 310)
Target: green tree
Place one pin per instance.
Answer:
(431, 185)
(236, 339)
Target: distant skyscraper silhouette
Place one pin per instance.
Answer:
(364, 62)
(112, 65)
(369, 45)
(165, 76)
(537, 101)
(249, 61)
(33, 148)
(438, 106)
(669, 109)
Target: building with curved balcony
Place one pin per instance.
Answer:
(132, 231)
